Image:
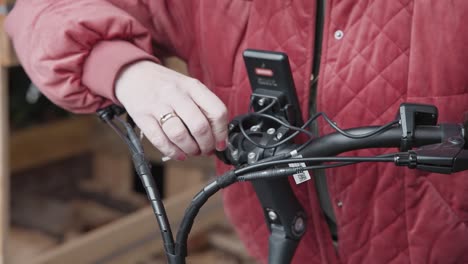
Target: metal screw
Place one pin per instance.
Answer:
(251, 156)
(254, 128)
(279, 135)
(455, 140)
(299, 225)
(261, 102)
(340, 203)
(272, 215)
(231, 127)
(235, 153)
(339, 34)
(271, 131)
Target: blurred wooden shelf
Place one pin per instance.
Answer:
(40, 144)
(7, 54)
(134, 237)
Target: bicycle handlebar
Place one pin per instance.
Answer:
(336, 143)
(442, 148)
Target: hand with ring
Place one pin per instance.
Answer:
(178, 114)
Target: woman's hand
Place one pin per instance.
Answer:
(149, 92)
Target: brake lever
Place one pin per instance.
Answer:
(447, 157)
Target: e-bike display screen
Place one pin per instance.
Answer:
(270, 74)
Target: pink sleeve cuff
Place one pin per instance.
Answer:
(104, 63)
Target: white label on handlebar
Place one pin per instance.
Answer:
(302, 176)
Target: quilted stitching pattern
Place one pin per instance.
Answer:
(347, 66)
(359, 68)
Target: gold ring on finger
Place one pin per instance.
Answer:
(166, 117)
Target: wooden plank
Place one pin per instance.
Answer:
(88, 214)
(7, 53)
(7, 2)
(41, 144)
(4, 175)
(113, 171)
(112, 165)
(133, 237)
(25, 244)
(47, 214)
(179, 179)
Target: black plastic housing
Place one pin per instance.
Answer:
(270, 73)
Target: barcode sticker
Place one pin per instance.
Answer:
(302, 176)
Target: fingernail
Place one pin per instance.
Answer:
(221, 145)
(181, 157)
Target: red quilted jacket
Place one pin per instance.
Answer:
(388, 52)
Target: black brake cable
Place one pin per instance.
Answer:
(121, 135)
(284, 172)
(143, 170)
(233, 176)
(192, 210)
(379, 130)
(361, 136)
(132, 136)
(351, 160)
